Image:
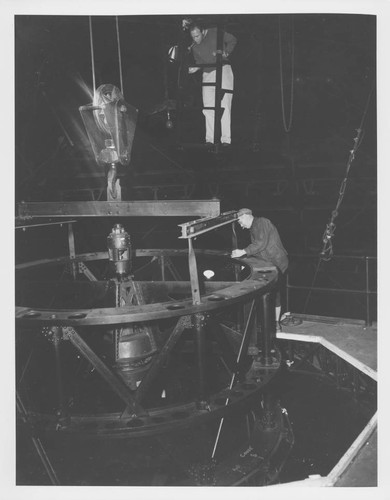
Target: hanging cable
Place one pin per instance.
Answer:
(119, 54)
(327, 249)
(92, 55)
(287, 128)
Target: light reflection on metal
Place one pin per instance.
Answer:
(154, 208)
(110, 123)
(119, 250)
(196, 227)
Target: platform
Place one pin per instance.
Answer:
(357, 344)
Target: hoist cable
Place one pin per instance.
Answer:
(287, 128)
(119, 53)
(92, 55)
(327, 249)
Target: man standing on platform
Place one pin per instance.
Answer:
(204, 50)
(265, 245)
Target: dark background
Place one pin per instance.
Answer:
(325, 63)
(293, 177)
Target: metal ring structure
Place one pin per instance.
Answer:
(137, 420)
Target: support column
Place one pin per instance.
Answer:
(200, 333)
(193, 268)
(72, 250)
(162, 266)
(254, 342)
(267, 322)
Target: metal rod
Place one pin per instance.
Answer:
(237, 267)
(25, 366)
(159, 359)
(119, 53)
(238, 363)
(37, 444)
(193, 273)
(201, 355)
(175, 274)
(334, 257)
(43, 224)
(267, 328)
(162, 267)
(72, 249)
(92, 56)
(321, 289)
(215, 330)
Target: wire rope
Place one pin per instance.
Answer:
(92, 55)
(119, 53)
(287, 128)
(327, 249)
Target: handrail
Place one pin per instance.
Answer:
(366, 291)
(314, 255)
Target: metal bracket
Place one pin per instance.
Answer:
(200, 226)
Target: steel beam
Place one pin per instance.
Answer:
(43, 224)
(171, 208)
(160, 359)
(197, 227)
(116, 383)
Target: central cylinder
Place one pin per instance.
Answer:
(119, 250)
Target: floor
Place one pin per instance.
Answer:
(357, 344)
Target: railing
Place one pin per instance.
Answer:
(363, 291)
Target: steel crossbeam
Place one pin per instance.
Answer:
(157, 208)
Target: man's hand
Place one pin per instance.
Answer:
(193, 69)
(225, 55)
(238, 253)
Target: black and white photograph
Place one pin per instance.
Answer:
(194, 212)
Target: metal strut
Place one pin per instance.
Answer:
(37, 443)
(241, 353)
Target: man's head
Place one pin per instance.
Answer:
(197, 33)
(245, 218)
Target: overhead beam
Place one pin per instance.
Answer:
(170, 208)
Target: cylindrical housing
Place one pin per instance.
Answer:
(119, 250)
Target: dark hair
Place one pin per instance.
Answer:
(195, 25)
